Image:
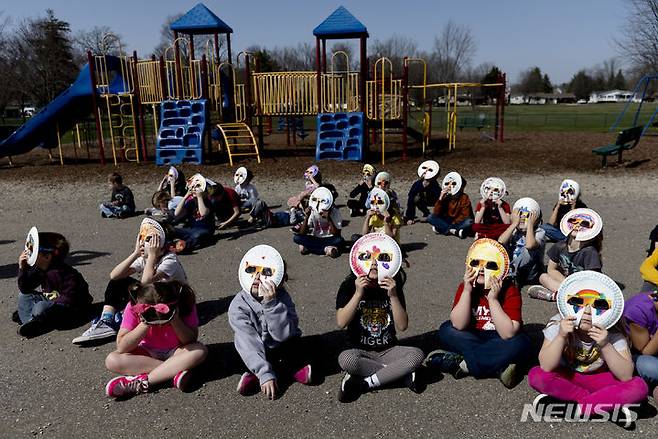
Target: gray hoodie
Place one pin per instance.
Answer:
(259, 326)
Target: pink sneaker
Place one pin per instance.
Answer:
(303, 375)
(124, 386)
(248, 384)
(181, 379)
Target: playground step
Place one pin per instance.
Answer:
(235, 136)
(177, 156)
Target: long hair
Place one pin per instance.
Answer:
(165, 292)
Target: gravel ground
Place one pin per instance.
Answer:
(55, 389)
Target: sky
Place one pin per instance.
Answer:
(559, 36)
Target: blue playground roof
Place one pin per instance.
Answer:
(200, 20)
(340, 24)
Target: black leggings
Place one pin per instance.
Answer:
(116, 292)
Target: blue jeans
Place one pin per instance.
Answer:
(647, 368)
(111, 211)
(553, 233)
(485, 352)
(36, 306)
(317, 245)
(193, 236)
(444, 223)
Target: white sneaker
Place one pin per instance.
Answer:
(99, 330)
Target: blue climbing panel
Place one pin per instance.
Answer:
(180, 139)
(340, 136)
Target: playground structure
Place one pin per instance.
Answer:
(192, 101)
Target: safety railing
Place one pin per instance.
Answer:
(106, 77)
(189, 85)
(390, 99)
(340, 92)
(150, 82)
(285, 93)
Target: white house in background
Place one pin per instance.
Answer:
(517, 99)
(610, 96)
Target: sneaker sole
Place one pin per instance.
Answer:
(86, 338)
(182, 381)
(112, 381)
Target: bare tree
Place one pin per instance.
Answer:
(395, 48)
(203, 44)
(100, 40)
(639, 46)
(453, 52)
(7, 91)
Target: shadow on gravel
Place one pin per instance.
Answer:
(80, 257)
(208, 310)
(412, 246)
(7, 241)
(8, 271)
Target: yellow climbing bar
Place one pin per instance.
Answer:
(239, 140)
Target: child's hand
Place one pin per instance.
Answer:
(516, 217)
(567, 326)
(269, 389)
(307, 211)
(470, 275)
(139, 245)
(152, 247)
(22, 260)
(370, 213)
(388, 283)
(496, 286)
(267, 290)
(599, 334)
(361, 283)
(533, 217)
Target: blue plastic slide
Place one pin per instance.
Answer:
(71, 106)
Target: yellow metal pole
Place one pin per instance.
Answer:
(59, 147)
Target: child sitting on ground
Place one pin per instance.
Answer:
(150, 261)
(174, 184)
(359, 195)
(259, 212)
(492, 213)
(424, 192)
(383, 181)
(297, 204)
(525, 242)
(266, 326)
(581, 251)
(320, 231)
(157, 341)
(452, 214)
(160, 211)
(225, 204)
(196, 214)
(568, 200)
(381, 216)
(52, 294)
(122, 203)
(649, 268)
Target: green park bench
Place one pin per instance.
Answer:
(627, 139)
(471, 122)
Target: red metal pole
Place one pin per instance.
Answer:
(324, 56)
(405, 106)
(318, 65)
(247, 91)
(94, 104)
(228, 47)
(502, 108)
(216, 48)
(191, 47)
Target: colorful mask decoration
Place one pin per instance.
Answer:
(321, 200)
(491, 256)
(378, 200)
(150, 228)
(569, 191)
(379, 249)
(382, 177)
(525, 206)
(593, 289)
(368, 171)
(584, 224)
(493, 188)
(157, 314)
(264, 260)
(311, 171)
(240, 175)
(32, 246)
(197, 183)
(452, 181)
(428, 170)
(172, 174)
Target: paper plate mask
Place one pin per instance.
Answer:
(489, 255)
(569, 191)
(321, 199)
(378, 200)
(197, 182)
(172, 173)
(311, 171)
(240, 175)
(594, 289)
(453, 181)
(264, 260)
(379, 248)
(150, 228)
(493, 188)
(428, 169)
(368, 170)
(583, 223)
(382, 177)
(32, 246)
(525, 206)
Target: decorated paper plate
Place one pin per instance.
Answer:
(368, 170)
(490, 255)
(378, 200)
(311, 171)
(321, 200)
(569, 191)
(382, 177)
(377, 247)
(453, 181)
(32, 246)
(240, 175)
(493, 188)
(149, 228)
(525, 206)
(594, 289)
(172, 173)
(583, 223)
(264, 260)
(428, 169)
(197, 182)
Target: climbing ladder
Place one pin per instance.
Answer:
(239, 140)
(121, 125)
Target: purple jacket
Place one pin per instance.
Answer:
(66, 281)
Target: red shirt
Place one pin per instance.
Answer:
(491, 212)
(510, 300)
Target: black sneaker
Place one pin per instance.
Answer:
(15, 317)
(351, 387)
(33, 328)
(415, 383)
(445, 362)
